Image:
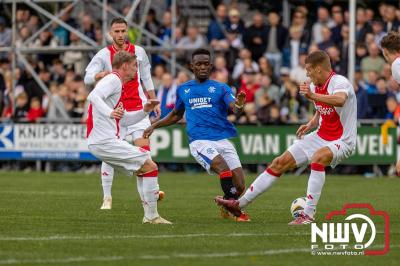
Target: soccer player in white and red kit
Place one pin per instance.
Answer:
(390, 45)
(106, 115)
(334, 140)
(133, 98)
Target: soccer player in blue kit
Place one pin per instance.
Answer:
(206, 103)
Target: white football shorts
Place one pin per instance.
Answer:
(135, 131)
(120, 155)
(204, 151)
(303, 149)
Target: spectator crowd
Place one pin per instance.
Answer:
(259, 56)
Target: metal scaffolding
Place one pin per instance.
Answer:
(19, 53)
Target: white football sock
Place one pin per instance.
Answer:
(314, 188)
(139, 184)
(107, 175)
(263, 182)
(150, 195)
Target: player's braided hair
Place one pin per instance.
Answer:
(391, 42)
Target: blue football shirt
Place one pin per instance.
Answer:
(206, 105)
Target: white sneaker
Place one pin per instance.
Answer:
(107, 203)
(157, 220)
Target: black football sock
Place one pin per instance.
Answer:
(227, 185)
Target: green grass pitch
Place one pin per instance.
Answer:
(54, 219)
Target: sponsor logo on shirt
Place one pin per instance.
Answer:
(325, 110)
(201, 102)
(187, 91)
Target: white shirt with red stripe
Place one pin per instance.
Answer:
(396, 70)
(337, 123)
(133, 97)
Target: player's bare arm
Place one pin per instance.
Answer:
(101, 75)
(238, 105)
(172, 118)
(337, 99)
(304, 129)
(157, 109)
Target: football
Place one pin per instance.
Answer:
(297, 206)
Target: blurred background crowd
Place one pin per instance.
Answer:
(252, 51)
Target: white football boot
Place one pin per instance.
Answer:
(157, 220)
(107, 204)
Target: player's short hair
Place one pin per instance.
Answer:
(391, 42)
(118, 20)
(319, 58)
(121, 58)
(201, 51)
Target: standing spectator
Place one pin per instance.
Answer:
(299, 73)
(377, 30)
(293, 48)
(361, 53)
(33, 90)
(24, 34)
(151, 25)
(266, 68)
(159, 71)
(58, 71)
(33, 23)
(362, 25)
(344, 49)
(234, 22)
(393, 109)
(255, 37)
(35, 111)
(369, 14)
(337, 16)
(277, 35)
(220, 67)
(59, 98)
(326, 39)
(362, 101)
(334, 55)
(267, 90)
(300, 20)
(46, 39)
(324, 20)
(5, 37)
(87, 27)
(21, 106)
(239, 68)
(215, 32)
(167, 95)
(292, 106)
(249, 85)
(373, 62)
(75, 58)
(190, 42)
(371, 80)
(164, 32)
(391, 22)
(234, 41)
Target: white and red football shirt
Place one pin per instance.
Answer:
(337, 122)
(396, 69)
(133, 96)
(102, 101)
